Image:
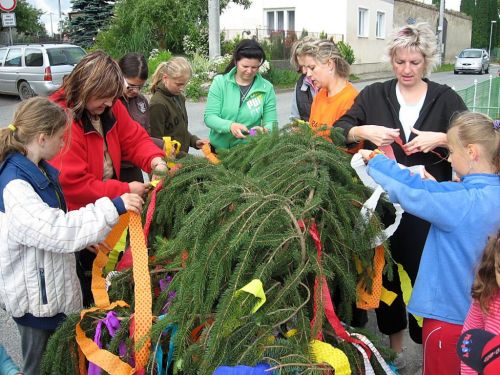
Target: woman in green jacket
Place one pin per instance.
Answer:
(240, 99)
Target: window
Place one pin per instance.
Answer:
(380, 28)
(33, 57)
(280, 19)
(65, 55)
(13, 57)
(363, 22)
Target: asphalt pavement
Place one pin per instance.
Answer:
(9, 336)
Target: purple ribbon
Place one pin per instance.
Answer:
(112, 324)
(164, 283)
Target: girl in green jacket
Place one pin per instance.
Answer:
(240, 99)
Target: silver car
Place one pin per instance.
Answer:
(472, 60)
(36, 69)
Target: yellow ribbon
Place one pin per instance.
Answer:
(171, 148)
(407, 288)
(323, 352)
(387, 296)
(255, 288)
(12, 127)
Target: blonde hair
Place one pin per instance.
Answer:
(477, 128)
(296, 50)
(176, 67)
(33, 117)
(324, 50)
(485, 284)
(97, 75)
(418, 37)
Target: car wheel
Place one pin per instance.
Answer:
(455, 72)
(481, 71)
(25, 90)
(487, 71)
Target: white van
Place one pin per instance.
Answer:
(36, 69)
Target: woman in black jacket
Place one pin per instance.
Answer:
(417, 111)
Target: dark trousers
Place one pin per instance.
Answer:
(33, 344)
(406, 247)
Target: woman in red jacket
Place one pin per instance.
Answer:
(102, 135)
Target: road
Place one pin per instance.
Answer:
(10, 336)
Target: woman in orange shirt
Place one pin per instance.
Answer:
(328, 70)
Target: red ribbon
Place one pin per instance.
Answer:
(323, 292)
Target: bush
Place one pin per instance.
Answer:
(155, 58)
(282, 78)
(347, 52)
(194, 89)
(228, 46)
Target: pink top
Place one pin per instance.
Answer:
(476, 318)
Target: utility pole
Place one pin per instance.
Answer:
(213, 29)
(491, 32)
(51, 24)
(440, 32)
(60, 19)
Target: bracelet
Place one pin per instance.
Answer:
(354, 138)
(375, 153)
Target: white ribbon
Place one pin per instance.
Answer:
(368, 208)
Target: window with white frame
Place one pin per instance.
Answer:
(380, 27)
(280, 19)
(363, 24)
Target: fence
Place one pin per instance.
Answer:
(483, 97)
(277, 43)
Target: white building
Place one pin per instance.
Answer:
(364, 24)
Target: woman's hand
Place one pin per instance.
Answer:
(377, 134)
(139, 188)
(133, 202)
(238, 129)
(201, 142)
(425, 141)
(159, 165)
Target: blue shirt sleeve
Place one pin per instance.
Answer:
(7, 365)
(119, 205)
(443, 204)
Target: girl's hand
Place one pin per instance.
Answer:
(237, 129)
(378, 135)
(425, 141)
(202, 142)
(365, 154)
(133, 202)
(428, 176)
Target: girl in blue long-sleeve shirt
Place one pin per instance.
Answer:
(462, 215)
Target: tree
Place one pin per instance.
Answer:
(482, 13)
(141, 25)
(90, 17)
(28, 19)
(261, 214)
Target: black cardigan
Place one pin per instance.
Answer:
(377, 104)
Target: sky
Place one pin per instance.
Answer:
(51, 6)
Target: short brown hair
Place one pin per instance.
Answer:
(96, 75)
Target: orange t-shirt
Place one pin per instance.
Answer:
(325, 110)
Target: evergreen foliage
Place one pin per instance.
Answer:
(482, 13)
(217, 227)
(90, 17)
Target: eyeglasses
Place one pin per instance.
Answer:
(129, 86)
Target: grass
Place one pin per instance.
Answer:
(444, 68)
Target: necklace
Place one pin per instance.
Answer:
(244, 90)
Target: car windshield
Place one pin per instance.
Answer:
(470, 53)
(65, 55)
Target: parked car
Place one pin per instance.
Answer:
(473, 60)
(36, 69)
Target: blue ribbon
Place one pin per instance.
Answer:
(159, 352)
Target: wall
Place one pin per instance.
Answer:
(459, 31)
(330, 19)
(369, 50)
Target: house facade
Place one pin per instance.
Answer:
(363, 24)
